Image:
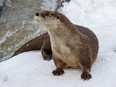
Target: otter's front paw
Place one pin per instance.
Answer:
(58, 72)
(46, 55)
(86, 76)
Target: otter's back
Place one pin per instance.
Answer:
(92, 39)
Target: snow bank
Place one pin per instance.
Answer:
(30, 70)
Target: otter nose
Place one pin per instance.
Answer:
(37, 14)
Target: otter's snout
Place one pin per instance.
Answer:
(43, 13)
(37, 14)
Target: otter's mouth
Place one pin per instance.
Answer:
(36, 18)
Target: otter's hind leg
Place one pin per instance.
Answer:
(46, 49)
(60, 65)
(85, 64)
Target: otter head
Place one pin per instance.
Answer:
(48, 19)
(52, 19)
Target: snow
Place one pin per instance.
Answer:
(30, 70)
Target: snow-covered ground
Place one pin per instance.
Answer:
(30, 70)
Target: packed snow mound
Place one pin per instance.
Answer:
(30, 70)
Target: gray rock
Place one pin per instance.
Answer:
(17, 24)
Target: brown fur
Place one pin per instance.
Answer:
(72, 46)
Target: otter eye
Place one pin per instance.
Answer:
(52, 14)
(57, 17)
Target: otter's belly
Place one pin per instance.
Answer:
(67, 56)
(70, 61)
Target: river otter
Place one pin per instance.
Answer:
(72, 46)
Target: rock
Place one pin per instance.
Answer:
(17, 24)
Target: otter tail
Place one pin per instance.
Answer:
(34, 44)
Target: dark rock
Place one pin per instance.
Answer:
(1, 8)
(60, 4)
